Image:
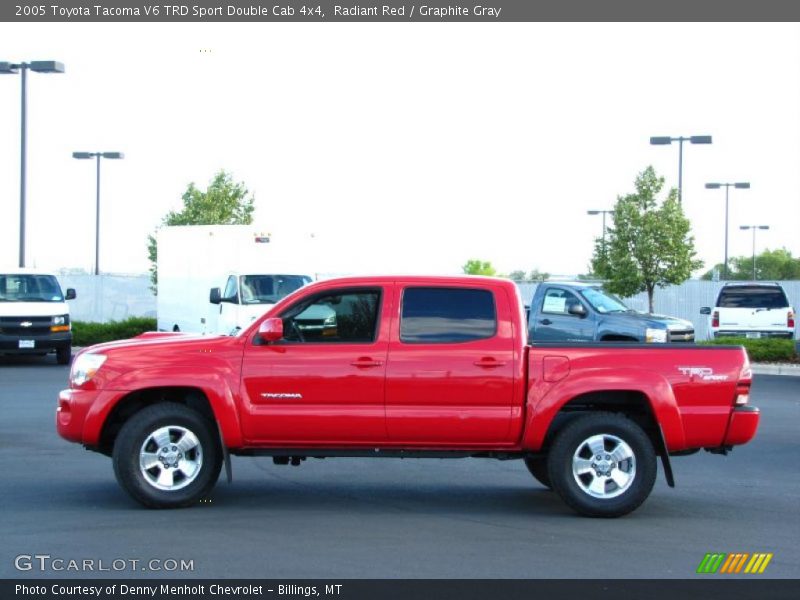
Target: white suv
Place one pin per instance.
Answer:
(752, 310)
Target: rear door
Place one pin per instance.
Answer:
(450, 372)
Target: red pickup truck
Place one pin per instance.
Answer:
(404, 367)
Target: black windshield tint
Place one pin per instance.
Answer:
(752, 297)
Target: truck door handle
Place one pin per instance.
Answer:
(546, 322)
(487, 362)
(366, 362)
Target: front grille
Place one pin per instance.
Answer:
(13, 325)
(681, 335)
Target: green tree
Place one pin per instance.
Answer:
(649, 245)
(224, 202)
(478, 267)
(534, 275)
(776, 264)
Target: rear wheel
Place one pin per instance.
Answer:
(537, 465)
(167, 456)
(602, 465)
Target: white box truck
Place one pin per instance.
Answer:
(216, 279)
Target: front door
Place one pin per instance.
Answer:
(323, 384)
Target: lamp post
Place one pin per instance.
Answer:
(754, 227)
(98, 155)
(7, 68)
(742, 185)
(604, 213)
(666, 140)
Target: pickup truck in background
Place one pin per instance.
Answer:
(427, 367)
(583, 312)
(751, 309)
(34, 315)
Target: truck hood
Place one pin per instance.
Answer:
(156, 341)
(651, 320)
(33, 309)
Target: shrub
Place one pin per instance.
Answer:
(87, 334)
(762, 350)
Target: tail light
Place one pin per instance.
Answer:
(715, 319)
(743, 385)
(790, 319)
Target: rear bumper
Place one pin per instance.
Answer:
(742, 425)
(760, 332)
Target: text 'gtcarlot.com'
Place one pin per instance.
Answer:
(47, 562)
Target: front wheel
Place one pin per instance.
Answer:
(602, 465)
(167, 456)
(64, 354)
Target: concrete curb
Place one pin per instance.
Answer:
(776, 369)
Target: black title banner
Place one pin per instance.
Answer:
(482, 589)
(397, 11)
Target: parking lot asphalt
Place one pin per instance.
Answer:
(385, 518)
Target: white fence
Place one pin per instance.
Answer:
(103, 298)
(683, 301)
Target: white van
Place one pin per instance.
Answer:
(34, 316)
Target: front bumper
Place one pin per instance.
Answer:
(742, 425)
(34, 344)
(80, 414)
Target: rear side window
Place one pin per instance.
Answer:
(752, 297)
(447, 315)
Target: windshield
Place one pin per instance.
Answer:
(603, 302)
(752, 297)
(268, 289)
(30, 288)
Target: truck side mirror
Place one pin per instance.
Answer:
(577, 309)
(214, 296)
(271, 330)
(71, 295)
(705, 310)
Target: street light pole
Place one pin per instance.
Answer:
(98, 155)
(604, 213)
(742, 185)
(754, 227)
(6, 68)
(666, 140)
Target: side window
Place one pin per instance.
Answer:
(447, 315)
(558, 301)
(346, 316)
(230, 289)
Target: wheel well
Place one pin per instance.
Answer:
(632, 404)
(135, 401)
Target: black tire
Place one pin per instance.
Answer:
(64, 355)
(618, 436)
(537, 465)
(176, 422)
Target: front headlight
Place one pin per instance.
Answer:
(60, 320)
(655, 336)
(84, 367)
(330, 320)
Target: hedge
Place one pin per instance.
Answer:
(87, 333)
(763, 349)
